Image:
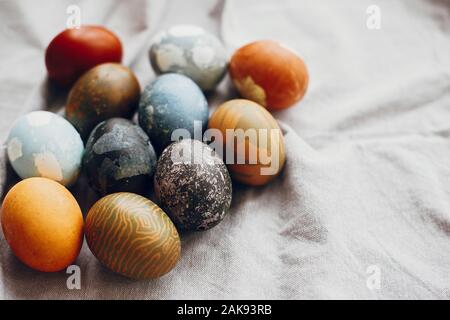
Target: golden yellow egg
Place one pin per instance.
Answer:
(132, 236)
(253, 137)
(43, 224)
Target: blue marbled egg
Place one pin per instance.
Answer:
(172, 102)
(191, 51)
(44, 144)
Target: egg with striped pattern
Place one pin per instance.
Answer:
(258, 151)
(132, 236)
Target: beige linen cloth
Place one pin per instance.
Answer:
(362, 209)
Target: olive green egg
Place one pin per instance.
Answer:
(132, 236)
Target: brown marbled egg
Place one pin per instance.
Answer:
(254, 139)
(106, 91)
(132, 236)
(270, 74)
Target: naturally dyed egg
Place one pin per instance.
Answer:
(258, 146)
(119, 157)
(172, 102)
(106, 91)
(43, 144)
(132, 236)
(191, 51)
(76, 50)
(192, 185)
(42, 224)
(269, 74)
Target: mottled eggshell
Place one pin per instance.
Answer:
(42, 224)
(106, 91)
(269, 74)
(172, 102)
(192, 185)
(43, 144)
(132, 236)
(256, 160)
(119, 157)
(191, 51)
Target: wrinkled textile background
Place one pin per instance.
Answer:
(367, 182)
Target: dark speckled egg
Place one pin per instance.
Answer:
(172, 102)
(192, 185)
(106, 91)
(119, 158)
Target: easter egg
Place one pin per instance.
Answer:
(192, 185)
(191, 51)
(119, 157)
(132, 236)
(106, 91)
(74, 51)
(172, 102)
(42, 224)
(43, 144)
(269, 74)
(256, 141)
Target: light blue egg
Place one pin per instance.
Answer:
(191, 51)
(172, 102)
(43, 144)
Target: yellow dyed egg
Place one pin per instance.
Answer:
(132, 236)
(42, 224)
(253, 137)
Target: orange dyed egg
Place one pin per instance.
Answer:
(253, 137)
(269, 74)
(42, 224)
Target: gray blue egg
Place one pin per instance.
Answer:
(44, 144)
(119, 158)
(172, 102)
(191, 51)
(192, 185)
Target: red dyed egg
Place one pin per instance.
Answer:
(269, 74)
(74, 51)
